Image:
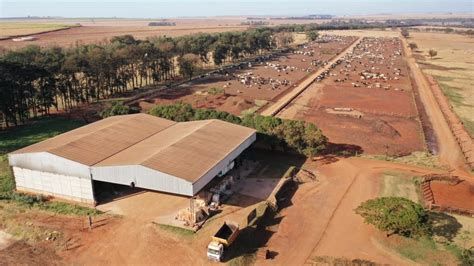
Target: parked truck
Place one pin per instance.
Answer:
(224, 237)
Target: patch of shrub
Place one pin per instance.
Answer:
(395, 215)
(118, 108)
(215, 90)
(41, 202)
(299, 136)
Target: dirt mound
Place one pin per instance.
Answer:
(384, 128)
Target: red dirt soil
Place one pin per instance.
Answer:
(238, 96)
(101, 34)
(322, 221)
(457, 196)
(390, 122)
(98, 31)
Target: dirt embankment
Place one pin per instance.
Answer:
(428, 131)
(322, 221)
(449, 149)
(457, 128)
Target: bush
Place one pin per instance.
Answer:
(432, 53)
(302, 137)
(40, 202)
(215, 90)
(405, 33)
(467, 257)
(395, 215)
(413, 46)
(117, 108)
(21, 198)
(312, 35)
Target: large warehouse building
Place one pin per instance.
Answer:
(138, 150)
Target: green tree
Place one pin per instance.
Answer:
(117, 108)
(179, 112)
(188, 65)
(395, 215)
(302, 137)
(312, 35)
(467, 257)
(283, 39)
(432, 53)
(413, 46)
(405, 33)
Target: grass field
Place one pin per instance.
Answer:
(450, 234)
(397, 184)
(418, 158)
(26, 28)
(452, 68)
(16, 138)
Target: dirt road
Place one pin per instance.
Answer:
(283, 101)
(133, 239)
(449, 151)
(321, 221)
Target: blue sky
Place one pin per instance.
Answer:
(184, 8)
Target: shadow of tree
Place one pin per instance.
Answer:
(444, 225)
(343, 150)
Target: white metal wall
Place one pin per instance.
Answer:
(50, 174)
(47, 162)
(143, 177)
(147, 178)
(199, 184)
(61, 186)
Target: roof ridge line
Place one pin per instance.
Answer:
(134, 143)
(208, 121)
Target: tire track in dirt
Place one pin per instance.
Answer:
(322, 221)
(332, 216)
(449, 150)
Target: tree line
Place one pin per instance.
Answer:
(36, 79)
(351, 24)
(273, 132)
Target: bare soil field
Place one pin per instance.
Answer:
(430, 15)
(365, 33)
(452, 68)
(102, 34)
(337, 231)
(458, 196)
(371, 90)
(251, 86)
(449, 151)
(101, 30)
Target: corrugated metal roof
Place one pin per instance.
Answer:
(95, 142)
(187, 150)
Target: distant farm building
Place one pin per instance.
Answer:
(24, 39)
(136, 150)
(162, 23)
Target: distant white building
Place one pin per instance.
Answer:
(25, 39)
(138, 150)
